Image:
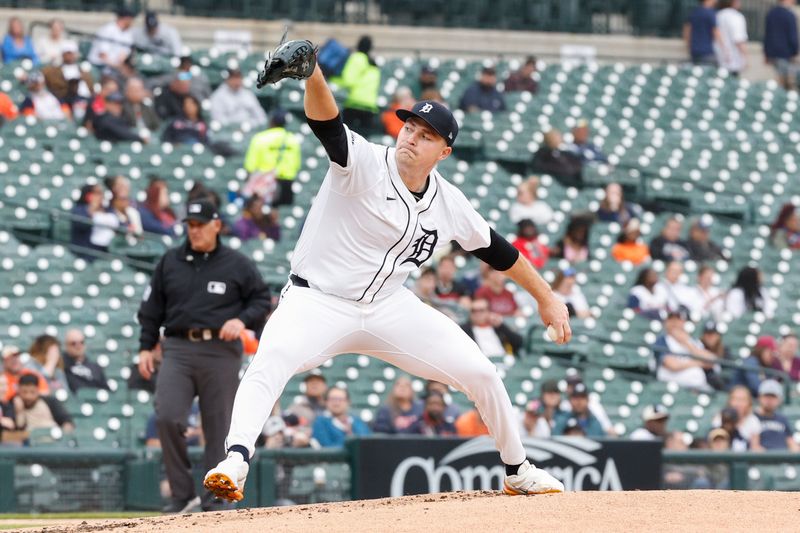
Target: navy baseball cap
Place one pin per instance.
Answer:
(436, 115)
(202, 211)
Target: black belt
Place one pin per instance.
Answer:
(194, 334)
(298, 281)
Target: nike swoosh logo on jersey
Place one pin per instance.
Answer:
(390, 198)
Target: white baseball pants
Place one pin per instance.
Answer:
(309, 327)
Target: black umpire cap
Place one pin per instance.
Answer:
(436, 115)
(202, 211)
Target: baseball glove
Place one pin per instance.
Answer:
(292, 59)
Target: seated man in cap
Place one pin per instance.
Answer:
(701, 247)
(655, 419)
(112, 44)
(681, 358)
(583, 146)
(41, 103)
(157, 38)
(232, 103)
(483, 95)
(579, 411)
(776, 430)
(533, 423)
(110, 126)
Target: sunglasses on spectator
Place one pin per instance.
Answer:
(76, 343)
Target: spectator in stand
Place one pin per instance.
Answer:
(700, 33)
(579, 410)
(781, 42)
(471, 424)
(566, 289)
(433, 421)
(81, 371)
(655, 418)
(433, 95)
(137, 110)
(776, 430)
(582, 145)
(403, 99)
(332, 428)
(787, 359)
(35, 411)
(682, 359)
(708, 300)
(522, 80)
(747, 423)
(629, 246)
(50, 47)
(550, 397)
(449, 288)
(574, 246)
(157, 38)
(190, 128)
(732, 51)
(482, 94)
(13, 370)
(110, 126)
(452, 411)
(701, 247)
(785, 231)
(712, 341)
(501, 300)
(553, 159)
(361, 78)
(676, 293)
(595, 407)
(97, 106)
(400, 410)
(729, 421)
(532, 421)
(273, 157)
(89, 202)
(528, 206)
(68, 82)
(8, 419)
(311, 404)
(17, 45)
(173, 88)
(46, 361)
(8, 110)
(113, 41)
(232, 103)
(255, 224)
(644, 299)
(41, 103)
(749, 295)
(120, 206)
(529, 245)
(155, 212)
(614, 208)
(751, 372)
(490, 333)
(428, 80)
(668, 246)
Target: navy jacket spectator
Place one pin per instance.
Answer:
(780, 34)
(483, 95)
(702, 21)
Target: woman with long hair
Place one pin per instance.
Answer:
(748, 295)
(740, 399)
(190, 127)
(785, 231)
(156, 214)
(566, 289)
(644, 299)
(400, 410)
(574, 246)
(45, 352)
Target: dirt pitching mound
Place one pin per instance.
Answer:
(491, 511)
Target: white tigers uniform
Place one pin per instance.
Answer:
(364, 234)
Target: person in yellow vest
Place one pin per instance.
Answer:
(362, 80)
(275, 151)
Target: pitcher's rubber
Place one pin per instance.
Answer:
(223, 487)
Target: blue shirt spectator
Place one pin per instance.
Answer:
(579, 413)
(483, 95)
(17, 45)
(331, 429)
(780, 33)
(700, 32)
(776, 432)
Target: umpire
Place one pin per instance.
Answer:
(203, 294)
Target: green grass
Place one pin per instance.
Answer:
(51, 516)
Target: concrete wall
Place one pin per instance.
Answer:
(198, 32)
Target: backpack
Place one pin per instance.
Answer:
(332, 57)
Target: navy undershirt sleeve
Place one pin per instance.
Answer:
(500, 254)
(333, 136)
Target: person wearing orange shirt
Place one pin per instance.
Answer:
(8, 111)
(630, 246)
(470, 424)
(403, 99)
(13, 370)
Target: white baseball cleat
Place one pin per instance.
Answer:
(227, 479)
(531, 480)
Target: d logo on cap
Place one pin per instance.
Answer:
(426, 108)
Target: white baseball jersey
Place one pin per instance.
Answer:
(366, 232)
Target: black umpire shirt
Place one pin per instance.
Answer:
(202, 290)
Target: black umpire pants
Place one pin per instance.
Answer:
(209, 370)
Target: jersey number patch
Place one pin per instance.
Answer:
(423, 247)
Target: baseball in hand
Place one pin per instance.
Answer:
(552, 333)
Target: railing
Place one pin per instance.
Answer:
(740, 470)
